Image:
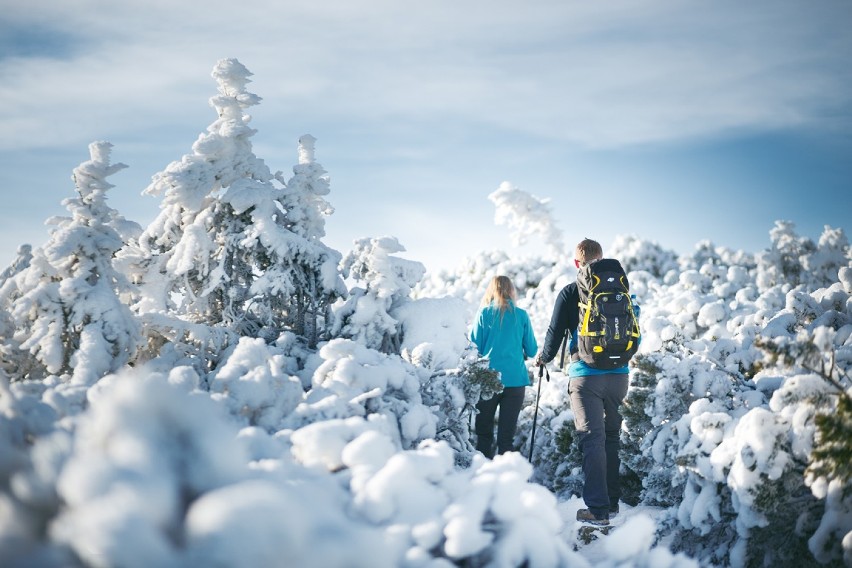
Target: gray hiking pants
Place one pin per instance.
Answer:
(595, 400)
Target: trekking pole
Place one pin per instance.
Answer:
(564, 347)
(542, 369)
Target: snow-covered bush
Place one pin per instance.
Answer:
(639, 254)
(487, 514)
(794, 260)
(453, 394)
(13, 360)
(383, 283)
(256, 384)
(349, 379)
(719, 418)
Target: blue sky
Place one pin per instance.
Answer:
(695, 120)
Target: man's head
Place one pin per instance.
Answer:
(586, 252)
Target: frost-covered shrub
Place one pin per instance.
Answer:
(794, 260)
(701, 432)
(349, 379)
(31, 452)
(708, 254)
(452, 395)
(638, 254)
(255, 385)
(156, 474)
(487, 514)
(383, 284)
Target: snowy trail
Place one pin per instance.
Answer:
(601, 543)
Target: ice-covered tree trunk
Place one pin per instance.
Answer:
(69, 315)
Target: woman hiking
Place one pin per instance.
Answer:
(502, 332)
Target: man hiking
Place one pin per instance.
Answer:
(598, 369)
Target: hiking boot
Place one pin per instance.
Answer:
(586, 516)
(613, 510)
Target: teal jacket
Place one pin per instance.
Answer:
(506, 342)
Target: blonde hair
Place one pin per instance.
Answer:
(588, 250)
(500, 291)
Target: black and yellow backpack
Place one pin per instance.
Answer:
(608, 335)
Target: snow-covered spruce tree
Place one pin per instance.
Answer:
(296, 276)
(192, 271)
(69, 315)
(21, 262)
(189, 260)
(299, 274)
(781, 263)
(225, 257)
(383, 283)
(299, 278)
(830, 477)
(12, 359)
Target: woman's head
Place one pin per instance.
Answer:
(500, 291)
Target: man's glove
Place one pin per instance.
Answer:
(538, 362)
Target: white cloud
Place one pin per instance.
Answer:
(624, 74)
